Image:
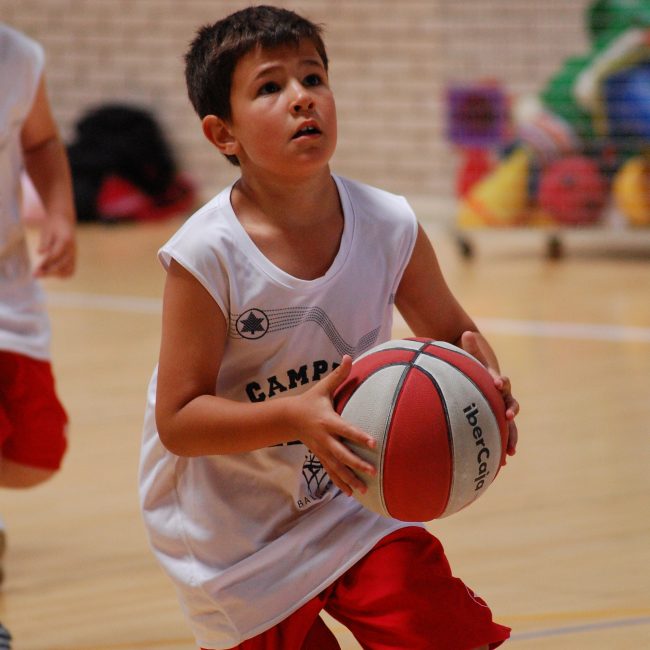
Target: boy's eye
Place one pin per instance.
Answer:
(268, 88)
(313, 80)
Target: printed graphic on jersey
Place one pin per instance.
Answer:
(252, 324)
(316, 477)
(255, 323)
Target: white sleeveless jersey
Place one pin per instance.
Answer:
(24, 326)
(249, 538)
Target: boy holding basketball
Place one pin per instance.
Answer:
(272, 287)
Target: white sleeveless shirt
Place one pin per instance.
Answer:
(24, 326)
(249, 538)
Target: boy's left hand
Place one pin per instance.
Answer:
(475, 344)
(56, 248)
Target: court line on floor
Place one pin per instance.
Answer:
(566, 630)
(553, 329)
(134, 645)
(530, 328)
(104, 302)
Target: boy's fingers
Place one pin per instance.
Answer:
(513, 437)
(343, 454)
(360, 437)
(512, 406)
(469, 343)
(62, 265)
(343, 473)
(336, 378)
(44, 241)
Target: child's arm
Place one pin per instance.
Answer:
(431, 310)
(192, 421)
(47, 165)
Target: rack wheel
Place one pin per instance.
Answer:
(554, 249)
(465, 247)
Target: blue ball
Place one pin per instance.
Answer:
(627, 106)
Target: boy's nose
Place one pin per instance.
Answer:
(303, 104)
(298, 107)
(303, 101)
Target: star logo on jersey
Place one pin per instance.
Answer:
(253, 324)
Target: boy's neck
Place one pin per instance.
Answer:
(287, 204)
(296, 225)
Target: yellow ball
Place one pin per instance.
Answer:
(631, 189)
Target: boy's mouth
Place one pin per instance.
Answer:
(306, 130)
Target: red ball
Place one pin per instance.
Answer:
(573, 191)
(439, 423)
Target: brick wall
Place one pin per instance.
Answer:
(390, 63)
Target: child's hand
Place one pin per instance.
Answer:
(472, 342)
(324, 428)
(56, 248)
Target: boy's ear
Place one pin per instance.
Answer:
(217, 131)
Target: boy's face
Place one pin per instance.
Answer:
(283, 117)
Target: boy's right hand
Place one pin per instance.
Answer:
(323, 429)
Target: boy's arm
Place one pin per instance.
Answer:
(432, 311)
(46, 163)
(192, 421)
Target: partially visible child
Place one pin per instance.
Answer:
(272, 288)
(32, 420)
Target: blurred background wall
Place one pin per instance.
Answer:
(391, 62)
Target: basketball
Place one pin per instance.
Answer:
(573, 191)
(439, 423)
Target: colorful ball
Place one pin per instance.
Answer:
(573, 191)
(631, 190)
(439, 423)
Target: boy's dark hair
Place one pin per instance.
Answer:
(214, 53)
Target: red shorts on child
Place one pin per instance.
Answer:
(32, 420)
(401, 595)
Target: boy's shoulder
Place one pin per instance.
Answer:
(213, 211)
(373, 200)
(22, 60)
(212, 228)
(15, 45)
(362, 189)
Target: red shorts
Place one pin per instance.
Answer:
(32, 421)
(400, 596)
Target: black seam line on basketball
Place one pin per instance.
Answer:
(471, 381)
(450, 441)
(398, 392)
(415, 351)
(460, 352)
(407, 365)
(478, 388)
(390, 364)
(420, 350)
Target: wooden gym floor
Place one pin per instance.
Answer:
(559, 546)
